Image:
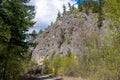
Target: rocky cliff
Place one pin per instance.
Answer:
(69, 32)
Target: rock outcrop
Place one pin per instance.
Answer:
(68, 33)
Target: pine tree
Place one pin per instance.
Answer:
(58, 14)
(86, 7)
(100, 13)
(64, 9)
(70, 7)
(33, 35)
(73, 7)
(79, 5)
(40, 32)
(95, 7)
(15, 19)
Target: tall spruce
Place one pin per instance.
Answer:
(79, 5)
(86, 6)
(95, 7)
(16, 16)
(33, 35)
(58, 14)
(73, 7)
(100, 13)
(64, 9)
(70, 7)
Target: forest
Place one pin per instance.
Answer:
(100, 59)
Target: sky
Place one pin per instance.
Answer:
(46, 12)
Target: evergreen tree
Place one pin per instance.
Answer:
(15, 19)
(33, 35)
(86, 7)
(70, 7)
(64, 9)
(40, 32)
(95, 7)
(100, 13)
(69, 53)
(79, 5)
(73, 7)
(58, 14)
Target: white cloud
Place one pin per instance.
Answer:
(46, 10)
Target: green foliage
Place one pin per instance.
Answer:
(100, 21)
(40, 32)
(46, 69)
(112, 11)
(68, 40)
(87, 5)
(62, 35)
(80, 8)
(69, 67)
(15, 19)
(64, 9)
(100, 13)
(59, 14)
(33, 35)
(69, 53)
(70, 7)
(73, 7)
(100, 59)
(64, 65)
(95, 7)
(79, 17)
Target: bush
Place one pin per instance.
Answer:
(63, 65)
(68, 40)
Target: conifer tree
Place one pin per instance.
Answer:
(95, 6)
(100, 13)
(86, 7)
(79, 5)
(70, 7)
(58, 14)
(40, 32)
(73, 7)
(88, 4)
(33, 35)
(64, 9)
(15, 19)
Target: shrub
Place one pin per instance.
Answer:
(68, 40)
(64, 65)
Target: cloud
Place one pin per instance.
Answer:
(46, 11)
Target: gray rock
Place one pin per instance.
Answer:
(77, 29)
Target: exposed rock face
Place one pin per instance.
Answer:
(67, 32)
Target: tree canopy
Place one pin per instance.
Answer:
(16, 16)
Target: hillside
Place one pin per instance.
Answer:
(83, 43)
(69, 33)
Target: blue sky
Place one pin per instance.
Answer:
(46, 12)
